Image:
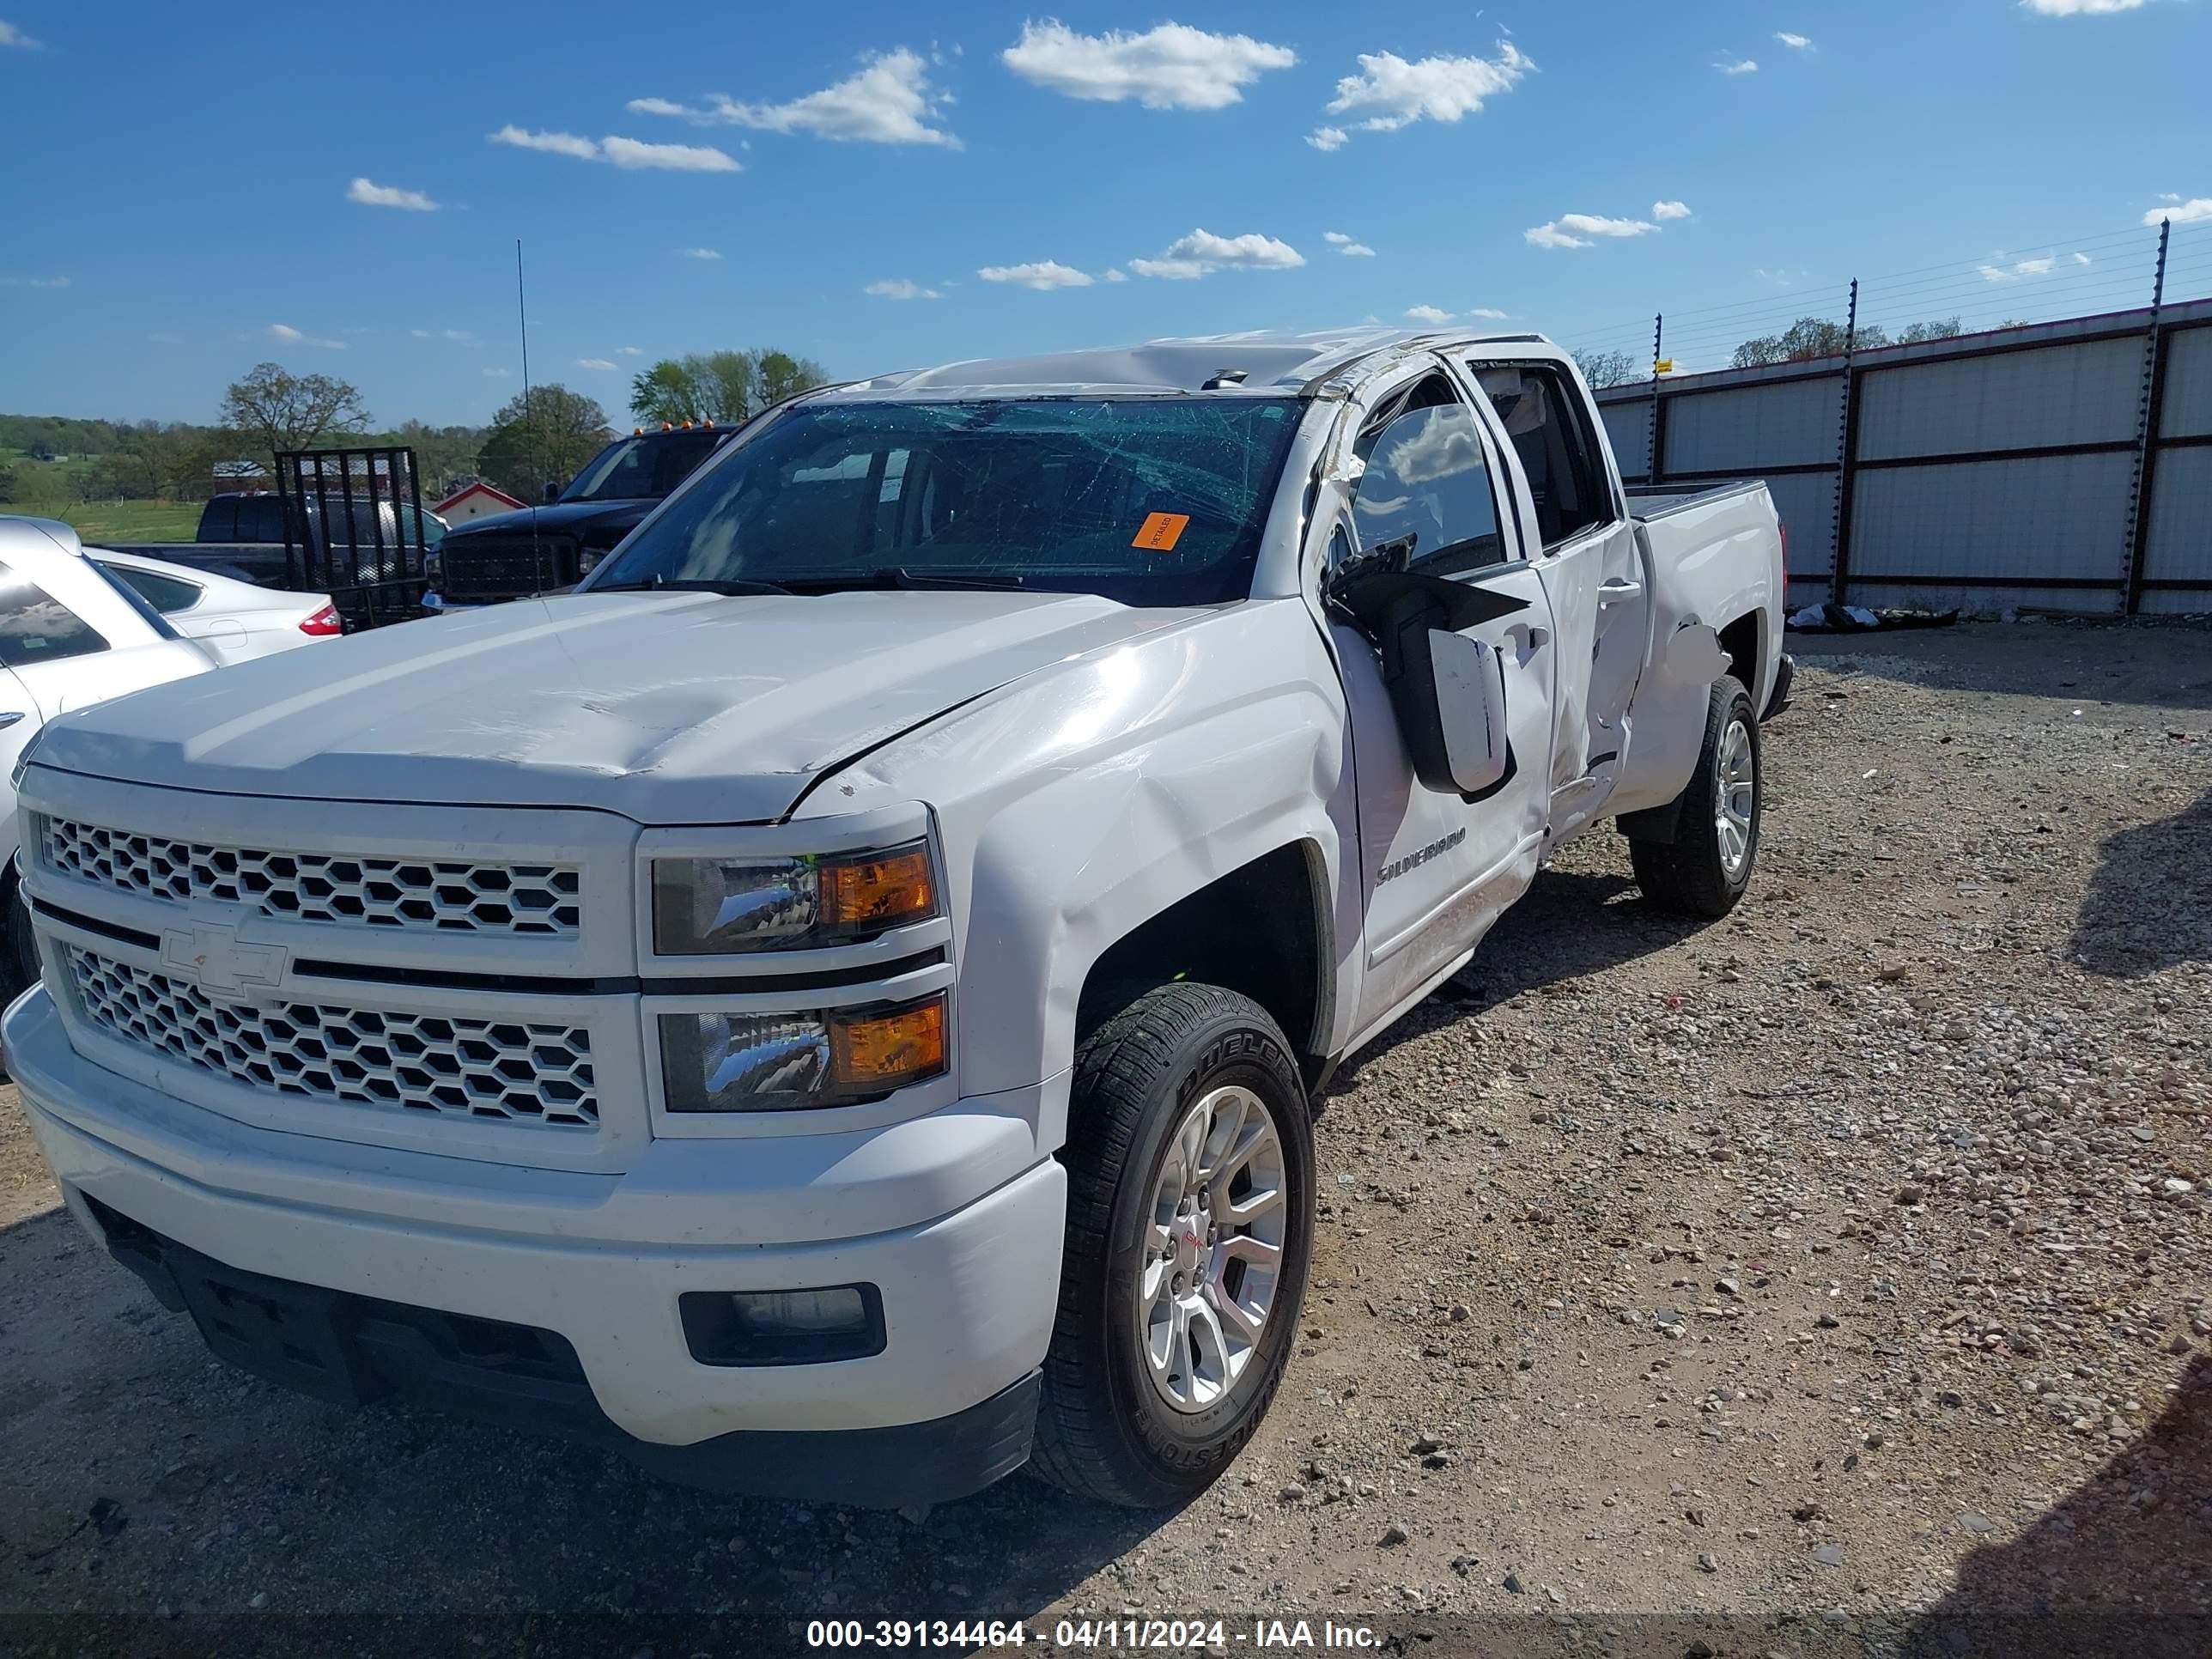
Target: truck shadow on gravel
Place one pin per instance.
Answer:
(145, 1476)
(2121, 1565)
(2149, 906)
(1570, 925)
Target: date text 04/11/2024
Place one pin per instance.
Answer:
(1090, 1635)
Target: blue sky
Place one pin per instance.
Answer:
(181, 196)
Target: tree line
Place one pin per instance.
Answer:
(1804, 340)
(533, 439)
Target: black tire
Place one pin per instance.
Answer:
(18, 961)
(1691, 873)
(1104, 1429)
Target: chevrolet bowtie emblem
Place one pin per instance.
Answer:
(213, 957)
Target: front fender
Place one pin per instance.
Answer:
(1079, 802)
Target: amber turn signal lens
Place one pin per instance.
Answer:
(888, 1050)
(877, 891)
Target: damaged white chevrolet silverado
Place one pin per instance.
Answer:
(833, 1007)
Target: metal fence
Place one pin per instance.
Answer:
(2064, 466)
(355, 528)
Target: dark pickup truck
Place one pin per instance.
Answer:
(241, 535)
(537, 549)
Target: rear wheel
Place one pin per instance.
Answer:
(1705, 868)
(1189, 1225)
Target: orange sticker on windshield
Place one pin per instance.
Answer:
(1160, 532)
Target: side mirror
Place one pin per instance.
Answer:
(1468, 683)
(552, 491)
(1447, 688)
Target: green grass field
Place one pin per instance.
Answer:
(124, 522)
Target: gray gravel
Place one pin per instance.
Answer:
(1845, 1260)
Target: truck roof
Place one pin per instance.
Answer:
(1270, 362)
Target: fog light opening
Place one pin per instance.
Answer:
(783, 1327)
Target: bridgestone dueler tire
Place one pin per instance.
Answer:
(1103, 1432)
(1688, 872)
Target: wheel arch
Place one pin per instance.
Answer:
(1264, 929)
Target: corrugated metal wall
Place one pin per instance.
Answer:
(2177, 546)
(1984, 471)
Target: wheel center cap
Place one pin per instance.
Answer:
(1189, 1245)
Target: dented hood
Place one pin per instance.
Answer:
(669, 708)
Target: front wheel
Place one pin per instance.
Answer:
(1190, 1214)
(1705, 868)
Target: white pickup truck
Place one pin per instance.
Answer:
(834, 1005)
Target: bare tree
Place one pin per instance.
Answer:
(280, 410)
(1605, 368)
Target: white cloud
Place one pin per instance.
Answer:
(629, 351)
(698, 253)
(1344, 245)
(1390, 92)
(1795, 42)
(2079, 8)
(1663, 210)
(2182, 213)
(900, 287)
(554, 143)
(596, 362)
(1428, 314)
(889, 101)
(391, 196)
(1115, 274)
(1173, 66)
(499, 374)
(285, 334)
(12, 36)
(1736, 66)
(1487, 315)
(420, 333)
(34, 282)
(2041, 266)
(1202, 252)
(675, 158)
(627, 152)
(1575, 229)
(2168, 196)
(1037, 274)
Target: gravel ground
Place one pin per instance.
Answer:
(1832, 1279)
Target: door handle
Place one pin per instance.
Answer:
(9, 717)
(1619, 591)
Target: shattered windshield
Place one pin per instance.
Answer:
(1150, 502)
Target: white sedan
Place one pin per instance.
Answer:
(234, 619)
(71, 635)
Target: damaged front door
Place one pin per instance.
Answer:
(1445, 642)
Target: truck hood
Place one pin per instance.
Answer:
(567, 517)
(668, 709)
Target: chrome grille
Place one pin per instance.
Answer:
(524, 1073)
(530, 900)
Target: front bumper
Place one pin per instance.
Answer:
(968, 1295)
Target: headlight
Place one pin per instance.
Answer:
(703, 906)
(23, 756)
(718, 1062)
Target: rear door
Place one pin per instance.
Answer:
(1586, 555)
(1437, 868)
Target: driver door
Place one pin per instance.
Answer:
(1436, 866)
